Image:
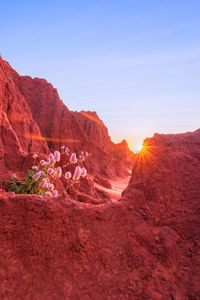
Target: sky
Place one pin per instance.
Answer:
(135, 62)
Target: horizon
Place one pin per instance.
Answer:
(136, 65)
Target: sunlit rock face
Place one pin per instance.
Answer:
(144, 246)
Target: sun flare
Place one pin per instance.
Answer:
(138, 147)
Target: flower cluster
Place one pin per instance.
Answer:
(40, 179)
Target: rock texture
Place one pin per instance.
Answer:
(102, 182)
(94, 129)
(145, 246)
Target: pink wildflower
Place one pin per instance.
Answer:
(62, 149)
(73, 158)
(47, 163)
(42, 162)
(67, 151)
(81, 156)
(84, 172)
(68, 175)
(43, 183)
(55, 193)
(52, 160)
(35, 155)
(37, 175)
(58, 172)
(47, 186)
(77, 173)
(57, 155)
(50, 186)
(34, 168)
(50, 171)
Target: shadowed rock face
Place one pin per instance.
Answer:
(145, 246)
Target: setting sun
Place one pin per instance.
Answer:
(136, 143)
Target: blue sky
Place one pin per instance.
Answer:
(137, 63)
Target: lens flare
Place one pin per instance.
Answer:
(40, 138)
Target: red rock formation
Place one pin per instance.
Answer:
(16, 126)
(145, 246)
(56, 122)
(122, 152)
(32, 112)
(79, 131)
